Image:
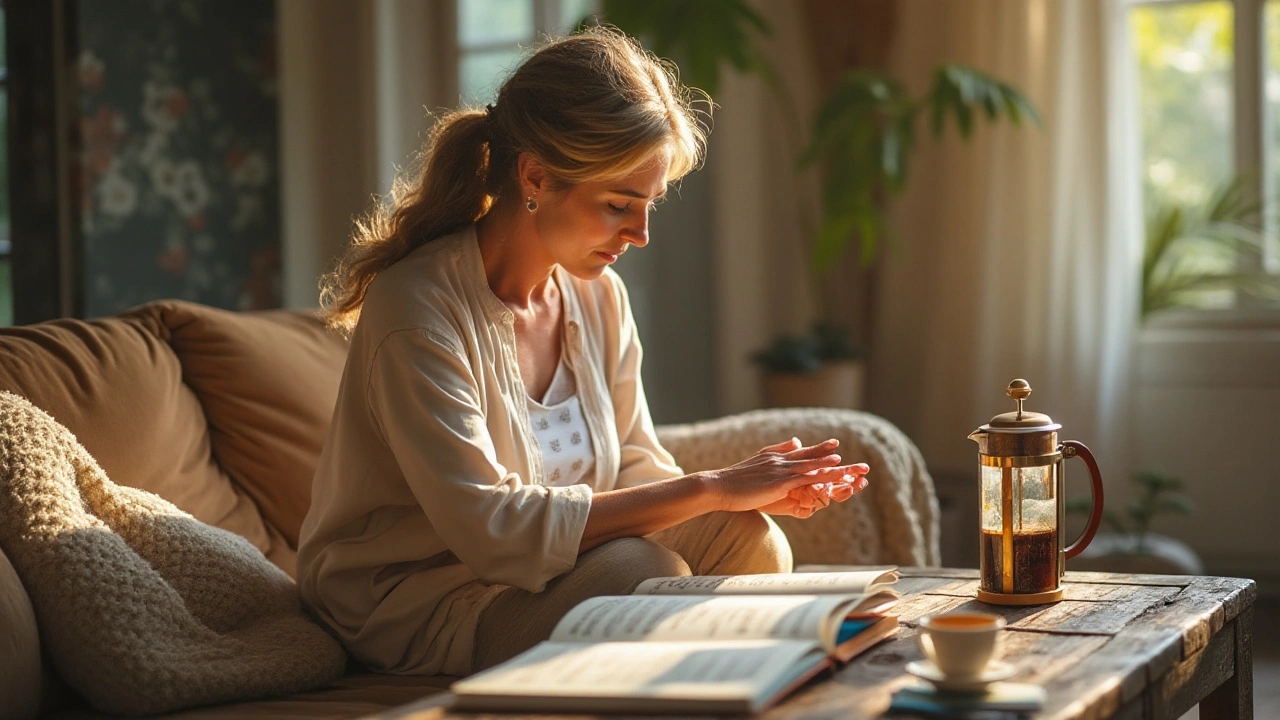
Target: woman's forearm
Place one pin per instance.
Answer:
(645, 509)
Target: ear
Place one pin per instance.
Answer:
(532, 174)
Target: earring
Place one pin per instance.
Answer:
(531, 205)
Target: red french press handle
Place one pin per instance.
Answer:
(1072, 448)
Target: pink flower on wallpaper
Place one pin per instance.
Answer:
(176, 103)
(250, 170)
(102, 131)
(163, 105)
(262, 286)
(101, 134)
(173, 260)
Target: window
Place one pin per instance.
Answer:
(492, 36)
(1208, 76)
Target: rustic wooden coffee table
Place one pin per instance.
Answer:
(1117, 646)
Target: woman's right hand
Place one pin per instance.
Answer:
(767, 477)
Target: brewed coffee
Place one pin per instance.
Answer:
(1035, 561)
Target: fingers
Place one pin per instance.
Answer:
(793, 448)
(826, 447)
(782, 447)
(839, 484)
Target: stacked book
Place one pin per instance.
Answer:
(717, 644)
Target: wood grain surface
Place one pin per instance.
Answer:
(1116, 646)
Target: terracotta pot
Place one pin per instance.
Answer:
(838, 384)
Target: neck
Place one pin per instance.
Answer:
(516, 264)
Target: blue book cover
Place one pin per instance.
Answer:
(924, 699)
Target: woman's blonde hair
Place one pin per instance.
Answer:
(591, 106)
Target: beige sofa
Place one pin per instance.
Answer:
(223, 414)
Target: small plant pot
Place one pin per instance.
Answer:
(1158, 555)
(839, 384)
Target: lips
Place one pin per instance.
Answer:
(611, 257)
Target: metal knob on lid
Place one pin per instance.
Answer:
(1020, 419)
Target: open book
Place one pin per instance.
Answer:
(739, 646)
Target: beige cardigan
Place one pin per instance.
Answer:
(426, 502)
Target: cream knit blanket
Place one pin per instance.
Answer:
(895, 520)
(141, 607)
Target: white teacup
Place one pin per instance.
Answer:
(960, 644)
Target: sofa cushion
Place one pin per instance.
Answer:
(268, 381)
(19, 648)
(116, 384)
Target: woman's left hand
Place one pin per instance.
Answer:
(806, 500)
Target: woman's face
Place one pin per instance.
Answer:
(587, 226)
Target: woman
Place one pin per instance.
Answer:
(491, 460)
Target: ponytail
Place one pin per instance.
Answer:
(447, 193)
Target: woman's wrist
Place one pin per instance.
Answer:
(706, 488)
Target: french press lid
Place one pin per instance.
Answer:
(1021, 420)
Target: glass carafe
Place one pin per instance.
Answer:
(1023, 556)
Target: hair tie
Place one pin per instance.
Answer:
(488, 120)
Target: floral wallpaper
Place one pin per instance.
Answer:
(179, 159)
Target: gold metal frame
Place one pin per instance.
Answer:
(1020, 461)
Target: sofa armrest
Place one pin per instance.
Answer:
(893, 521)
(20, 677)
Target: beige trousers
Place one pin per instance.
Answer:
(720, 543)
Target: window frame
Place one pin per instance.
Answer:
(41, 42)
(546, 18)
(4, 89)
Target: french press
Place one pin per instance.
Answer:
(1022, 556)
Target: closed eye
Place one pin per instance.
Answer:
(652, 206)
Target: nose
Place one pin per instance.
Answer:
(637, 233)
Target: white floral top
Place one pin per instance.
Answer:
(562, 431)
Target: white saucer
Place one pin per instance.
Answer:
(995, 671)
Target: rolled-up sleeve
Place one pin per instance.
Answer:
(426, 404)
(643, 459)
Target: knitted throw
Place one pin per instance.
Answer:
(895, 520)
(141, 607)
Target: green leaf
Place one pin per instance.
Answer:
(960, 91)
(1178, 504)
(869, 237)
(833, 235)
(700, 36)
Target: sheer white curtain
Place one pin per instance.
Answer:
(763, 208)
(1017, 253)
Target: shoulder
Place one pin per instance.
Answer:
(426, 290)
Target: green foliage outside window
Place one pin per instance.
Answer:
(1205, 242)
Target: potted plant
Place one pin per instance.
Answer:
(861, 139)
(821, 369)
(1186, 250)
(1129, 545)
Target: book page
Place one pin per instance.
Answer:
(859, 582)
(683, 617)
(675, 669)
